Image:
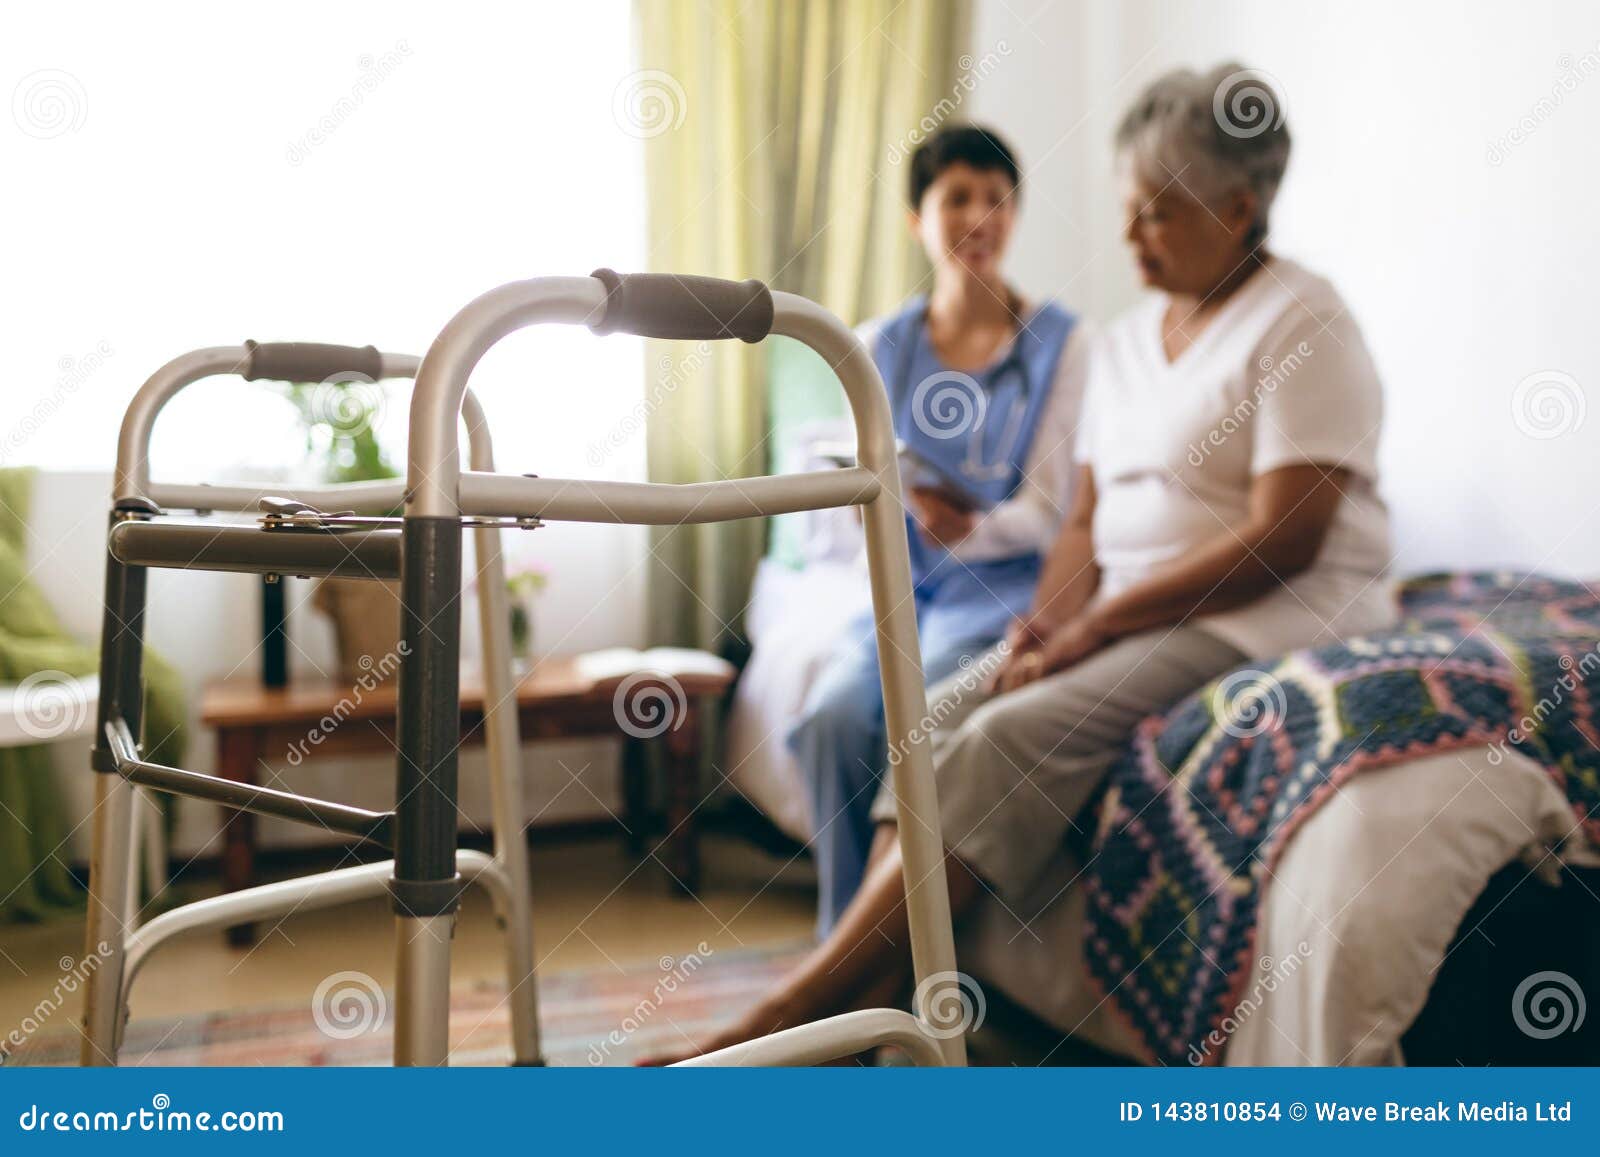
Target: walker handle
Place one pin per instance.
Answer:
(310, 361)
(674, 306)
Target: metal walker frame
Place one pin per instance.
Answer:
(423, 549)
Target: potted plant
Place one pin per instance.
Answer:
(341, 420)
(522, 588)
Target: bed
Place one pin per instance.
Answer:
(1365, 903)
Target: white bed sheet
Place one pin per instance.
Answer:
(794, 620)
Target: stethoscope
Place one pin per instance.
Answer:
(973, 464)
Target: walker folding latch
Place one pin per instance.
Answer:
(291, 514)
(126, 508)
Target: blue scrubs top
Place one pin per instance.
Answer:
(976, 430)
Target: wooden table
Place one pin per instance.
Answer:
(260, 726)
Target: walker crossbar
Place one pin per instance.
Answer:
(664, 504)
(363, 497)
(439, 494)
(827, 1040)
(324, 890)
(370, 554)
(336, 817)
(290, 540)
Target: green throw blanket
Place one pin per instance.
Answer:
(38, 656)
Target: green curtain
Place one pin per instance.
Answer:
(775, 136)
(34, 880)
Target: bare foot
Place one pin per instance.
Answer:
(758, 1022)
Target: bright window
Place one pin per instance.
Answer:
(349, 173)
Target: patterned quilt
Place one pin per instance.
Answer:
(1203, 803)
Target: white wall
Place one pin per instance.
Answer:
(1469, 264)
(348, 173)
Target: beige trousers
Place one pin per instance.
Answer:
(1014, 770)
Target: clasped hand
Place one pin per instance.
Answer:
(1036, 648)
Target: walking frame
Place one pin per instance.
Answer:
(423, 549)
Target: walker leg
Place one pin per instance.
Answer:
(422, 989)
(110, 863)
(505, 782)
(522, 983)
(131, 875)
(933, 951)
(426, 888)
(113, 870)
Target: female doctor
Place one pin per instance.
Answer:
(985, 388)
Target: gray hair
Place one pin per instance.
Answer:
(1212, 132)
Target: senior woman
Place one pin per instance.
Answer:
(1225, 512)
(985, 389)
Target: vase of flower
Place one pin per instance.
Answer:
(341, 420)
(522, 588)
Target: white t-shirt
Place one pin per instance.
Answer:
(1280, 376)
(1030, 519)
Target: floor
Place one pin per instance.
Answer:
(595, 907)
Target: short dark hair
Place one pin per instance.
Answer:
(956, 145)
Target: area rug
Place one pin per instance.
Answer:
(599, 1016)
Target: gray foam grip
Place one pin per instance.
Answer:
(309, 361)
(671, 305)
